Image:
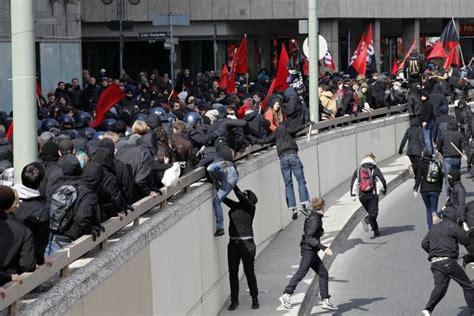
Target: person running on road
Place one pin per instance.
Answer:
(456, 194)
(310, 246)
(366, 182)
(442, 245)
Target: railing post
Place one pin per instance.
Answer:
(105, 244)
(65, 272)
(136, 221)
(15, 308)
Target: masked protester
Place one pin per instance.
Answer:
(241, 245)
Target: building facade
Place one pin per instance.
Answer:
(58, 45)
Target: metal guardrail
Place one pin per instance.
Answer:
(66, 256)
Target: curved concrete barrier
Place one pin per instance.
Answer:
(173, 265)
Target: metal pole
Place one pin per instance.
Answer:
(313, 61)
(215, 47)
(172, 49)
(23, 79)
(349, 56)
(121, 13)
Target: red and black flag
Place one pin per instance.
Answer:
(450, 36)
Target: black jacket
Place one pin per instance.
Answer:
(6, 240)
(442, 121)
(414, 137)
(141, 162)
(21, 256)
(284, 138)
(457, 199)
(438, 100)
(257, 124)
(452, 136)
(443, 238)
(52, 172)
(241, 215)
(34, 212)
(414, 103)
(426, 114)
(312, 232)
(296, 112)
(468, 214)
(421, 174)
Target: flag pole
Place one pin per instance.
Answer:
(459, 36)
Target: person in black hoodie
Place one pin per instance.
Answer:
(429, 179)
(414, 101)
(456, 194)
(448, 145)
(6, 237)
(52, 171)
(21, 256)
(241, 244)
(290, 164)
(467, 216)
(442, 121)
(464, 118)
(310, 246)
(416, 144)
(442, 245)
(33, 210)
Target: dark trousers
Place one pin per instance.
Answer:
(241, 250)
(415, 160)
(443, 271)
(469, 257)
(371, 204)
(310, 259)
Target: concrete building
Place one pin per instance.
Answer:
(58, 45)
(71, 36)
(342, 22)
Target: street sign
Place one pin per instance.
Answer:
(167, 45)
(175, 41)
(303, 26)
(152, 35)
(178, 19)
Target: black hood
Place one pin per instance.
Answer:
(151, 142)
(105, 157)
(449, 213)
(70, 165)
(454, 176)
(92, 175)
(452, 126)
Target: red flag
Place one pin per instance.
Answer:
(38, 89)
(231, 51)
(282, 72)
(409, 52)
(269, 93)
(9, 132)
(329, 61)
(357, 50)
(360, 64)
(395, 67)
(231, 81)
(449, 37)
(453, 58)
(242, 66)
(223, 77)
(305, 67)
(111, 96)
(437, 51)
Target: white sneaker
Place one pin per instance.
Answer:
(285, 300)
(425, 313)
(365, 223)
(328, 305)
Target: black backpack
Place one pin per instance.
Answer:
(433, 174)
(61, 208)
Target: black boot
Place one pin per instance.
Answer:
(255, 303)
(376, 233)
(233, 306)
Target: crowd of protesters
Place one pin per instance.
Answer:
(85, 176)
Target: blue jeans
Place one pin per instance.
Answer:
(450, 163)
(289, 165)
(55, 244)
(431, 202)
(228, 177)
(427, 137)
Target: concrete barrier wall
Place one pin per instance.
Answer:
(173, 265)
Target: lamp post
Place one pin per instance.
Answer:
(313, 61)
(121, 18)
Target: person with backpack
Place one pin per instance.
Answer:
(367, 182)
(33, 209)
(310, 246)
(429, 180)
(74, 206)
(416, 145)
(414, 67)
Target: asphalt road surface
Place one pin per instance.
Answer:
(390, 275)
